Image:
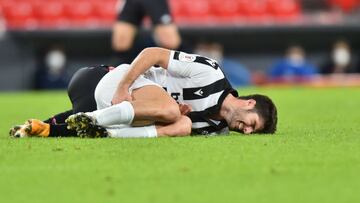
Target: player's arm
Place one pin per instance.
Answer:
(181, 127)
(143, 62)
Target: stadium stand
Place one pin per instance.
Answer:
(58, 14)
(252, 31)
(55, 14)
(62, 14)
(345, 5)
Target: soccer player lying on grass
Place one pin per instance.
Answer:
(133, 93)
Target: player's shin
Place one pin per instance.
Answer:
(122, 113)
(132, 132)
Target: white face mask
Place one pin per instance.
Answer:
(55, 60)
(341, 57)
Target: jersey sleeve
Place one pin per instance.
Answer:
(182, 64)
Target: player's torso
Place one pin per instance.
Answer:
(200, 93)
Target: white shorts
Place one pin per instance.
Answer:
(107, 86)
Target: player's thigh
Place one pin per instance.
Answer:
(123, 35)
(152, 93)
(167, 35)
(151, 102)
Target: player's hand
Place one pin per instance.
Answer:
(185, 109)
(122, 94)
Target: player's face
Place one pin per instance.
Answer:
(246, 122)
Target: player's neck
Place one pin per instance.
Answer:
(227, 107)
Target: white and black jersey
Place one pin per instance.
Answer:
(197, 81)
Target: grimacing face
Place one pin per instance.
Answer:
(246, 121)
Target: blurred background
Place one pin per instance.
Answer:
(258, 42)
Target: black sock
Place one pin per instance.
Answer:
(60, 130)
(59, 118)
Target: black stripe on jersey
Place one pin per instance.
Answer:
(205, 91)
(209, 129)
(197, 116)
(206, 61)
(205, 115)
(176, 55)
(200, 116)
(200, 59)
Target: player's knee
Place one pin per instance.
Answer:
(185, 126)
(123, 36)
(168, 112)
(171, 113)
(167, 36)
(170, 44)
(121, 45)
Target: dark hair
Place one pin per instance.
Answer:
(266, 110)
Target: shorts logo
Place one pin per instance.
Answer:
(199, 93)
(187, 57)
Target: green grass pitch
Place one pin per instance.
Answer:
(314, 157)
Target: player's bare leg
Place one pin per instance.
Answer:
(123, 36)
(181, 127)
(154, 104)
(150, 103)
(167, 36)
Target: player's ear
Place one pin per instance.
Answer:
(251, 103)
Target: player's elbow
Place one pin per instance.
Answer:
(157, 55)
(152, 51)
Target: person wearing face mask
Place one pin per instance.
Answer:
(50, 73)
(341, 60)
(237, 74)
(294, 67)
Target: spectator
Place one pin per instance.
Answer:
(51, 70)
(293, 68)
(341, 60)
(237, 74)
(131, 15)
